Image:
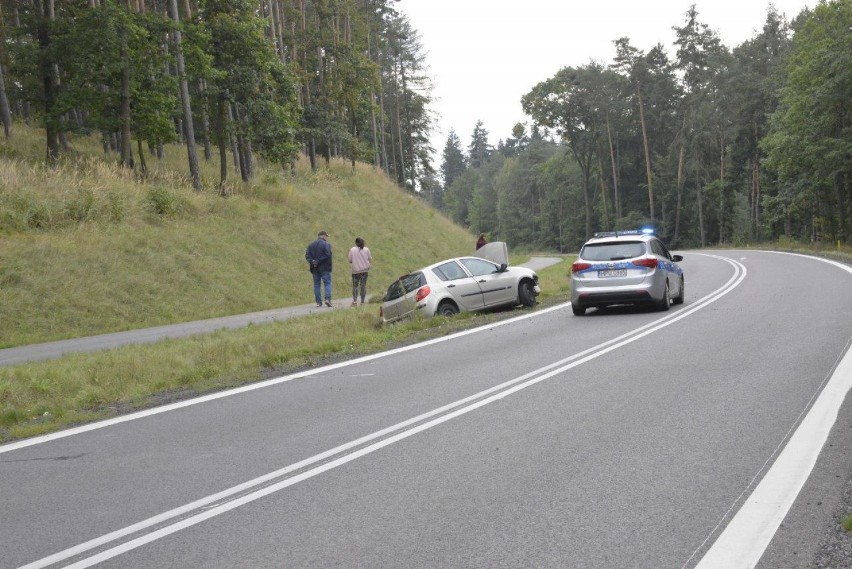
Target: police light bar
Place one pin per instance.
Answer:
(643, 231)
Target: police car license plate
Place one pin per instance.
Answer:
(612, 273)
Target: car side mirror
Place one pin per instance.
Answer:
(677, 258)
(503, 268)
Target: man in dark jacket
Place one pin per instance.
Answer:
(318, 256)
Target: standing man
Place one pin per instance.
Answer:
(318, 256)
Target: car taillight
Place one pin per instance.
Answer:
(422, 293)
(579, 266)
(649, 262)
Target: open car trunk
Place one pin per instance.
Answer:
(496, 252)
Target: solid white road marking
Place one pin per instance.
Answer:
(262, 384)
(747, 535)
(403, 430)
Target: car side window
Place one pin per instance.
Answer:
(449, 271)
(395, 290)
(479, 267)
(404, 285)
(660, 249)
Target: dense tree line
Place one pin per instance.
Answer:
(709, 146)
(329, 78)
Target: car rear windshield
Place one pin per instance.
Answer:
(612, 251)
(404, 285)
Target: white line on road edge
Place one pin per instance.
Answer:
(461, 407)
(260, 385)
(747, 535)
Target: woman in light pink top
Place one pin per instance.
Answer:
(361, 259)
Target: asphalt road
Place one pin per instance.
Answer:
(624, 438)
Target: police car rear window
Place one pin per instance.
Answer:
(613, 251)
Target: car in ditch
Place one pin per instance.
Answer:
(625, 267)
(461, 284)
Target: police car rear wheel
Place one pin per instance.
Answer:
(578, 310)
(666, 302)
(680, 295)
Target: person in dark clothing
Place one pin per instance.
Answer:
(318, 256)
(481, 242)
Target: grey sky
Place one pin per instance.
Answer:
(483, 55)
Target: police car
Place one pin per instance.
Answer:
(625, 267)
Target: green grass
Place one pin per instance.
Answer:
(88, 248)
(846, 523)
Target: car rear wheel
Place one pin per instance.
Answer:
(666, 302)
(526, 294)
(578, 310)
(447, 309)
(680, 295)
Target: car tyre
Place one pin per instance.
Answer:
(578, 310)
(680, 296)
(526, 295)
(447, 309)
(666, 302)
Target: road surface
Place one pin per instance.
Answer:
(624, 438)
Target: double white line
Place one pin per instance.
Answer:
(175, 520)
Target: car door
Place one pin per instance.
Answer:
(497, 287)
(675, 272)
(667, 264)
(462, 287)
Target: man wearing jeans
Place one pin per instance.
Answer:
(318, 256)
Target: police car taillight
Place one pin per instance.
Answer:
(649, 262)
(579, 266)
(422, 293)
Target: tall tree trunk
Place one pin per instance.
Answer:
(235, 144)
(722, 193)
(221, 134)
(401, 174)
(205, 119)
(587, 199)
(44, 10)
(382, 130)
(699, 198)
(5, 111)
(678, 207)
(188, 127)
(376, 155)
(616, 198)
(126, 143)
(647, 153)
(603, 192)
(143, 166)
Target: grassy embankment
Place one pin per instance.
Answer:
(88, 249)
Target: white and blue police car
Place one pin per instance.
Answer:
(625, 267)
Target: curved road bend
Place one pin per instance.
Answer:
(625, 438)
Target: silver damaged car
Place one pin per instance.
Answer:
(461, 284)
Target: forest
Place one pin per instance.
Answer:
(710, 145)
(233, 80)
